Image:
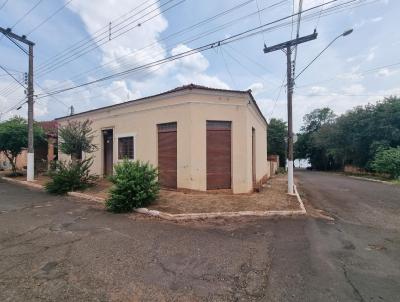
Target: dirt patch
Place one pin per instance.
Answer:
(99, 189)
(272, 197)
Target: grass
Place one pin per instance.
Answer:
(374, 177)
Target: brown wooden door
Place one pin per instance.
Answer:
(167, 155)
(218, 155)
(108, 151)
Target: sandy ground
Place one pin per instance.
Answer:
(272, 197)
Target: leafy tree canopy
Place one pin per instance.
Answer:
(76, 137)
(277, 132)
(14, 138)
(355, 137)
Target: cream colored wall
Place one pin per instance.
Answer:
(262, 167)
(191, 110)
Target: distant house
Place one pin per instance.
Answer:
(44, 153)
(200, 138)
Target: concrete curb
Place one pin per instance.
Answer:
(87, 197)
(303, 208)
(187, 216)
(23, 182)
(370, 179)
(194, 216)
(41, 187)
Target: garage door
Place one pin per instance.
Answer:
(167, 159)
(218, 155)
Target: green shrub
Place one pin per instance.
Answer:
(70, 176)
(387, 161)
(135, 185)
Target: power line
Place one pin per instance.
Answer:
(278, 95)
(232, 37)
(17, 44)
(308, 18)
(26, 14)
(298, 35)
(194, 38)
(227, 67)
(234, 40)
(242, 65)
(353, 73)
(15, 79)
(20, 103)
(93, 42)
(180, 32)
(236, 37)
(92, 35)
(4, 4)
(49, 17)
(55, 98)
(97, 45)
(319, 17)
(259, 19)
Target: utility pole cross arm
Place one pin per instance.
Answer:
(291, 43)
(22, 39)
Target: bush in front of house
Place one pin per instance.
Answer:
(135, 185)
(70, 176)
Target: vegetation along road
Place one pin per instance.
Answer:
(64, 249)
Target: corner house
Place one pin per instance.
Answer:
(199, 138)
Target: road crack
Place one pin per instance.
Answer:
(355, 289)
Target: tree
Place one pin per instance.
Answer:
(76, 137)
(387, 161)
(316, 118)
(14, 138)
(354, 137)
(309, 144)
(277, 132)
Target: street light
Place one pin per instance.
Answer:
(346, 33)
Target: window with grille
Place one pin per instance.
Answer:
(125, 147)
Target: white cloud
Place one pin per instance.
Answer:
(135, 48)
(314, 90)
(386, 72)
(192, 69)
(377, 19)
(371, 54)
(351, 76)
(256, 88)
(201, 79)
(193, 63)
(354, 89)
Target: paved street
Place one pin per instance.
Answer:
(64, 249)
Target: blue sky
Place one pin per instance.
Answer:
(341, 78)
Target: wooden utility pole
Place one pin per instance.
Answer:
(30, 92)
(287, 48)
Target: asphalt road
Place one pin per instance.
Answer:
(64, 249)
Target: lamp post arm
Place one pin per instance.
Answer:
(313, 60)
